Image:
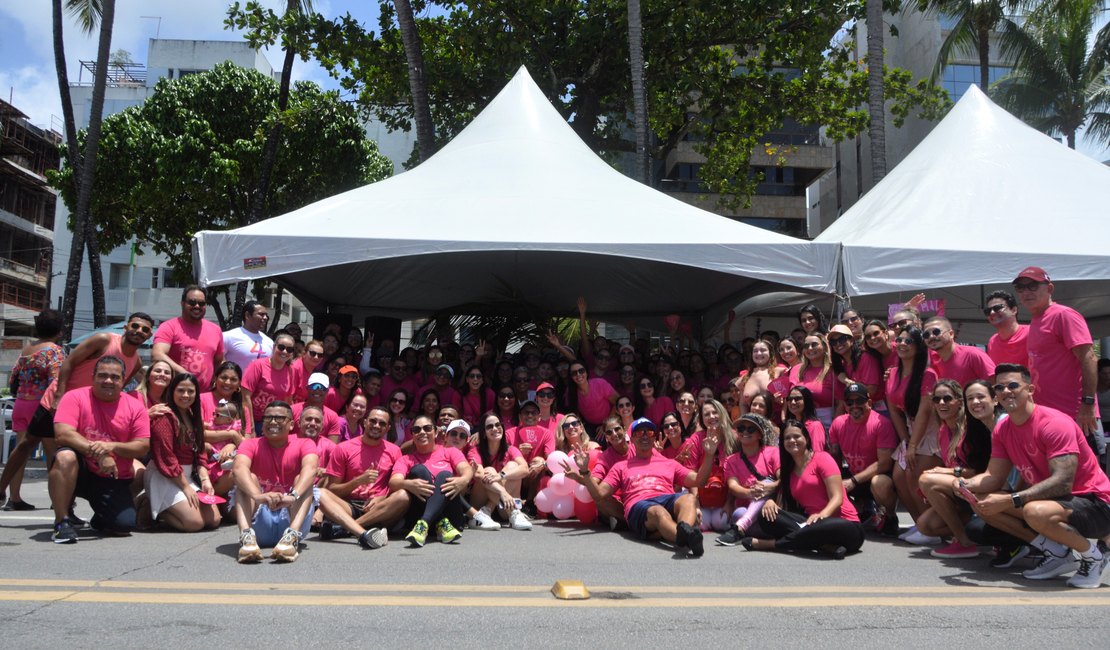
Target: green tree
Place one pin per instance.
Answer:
(189, 157)
(720, 73)
(976, 21)
(1059, 84)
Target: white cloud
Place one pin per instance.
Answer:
(34, 90)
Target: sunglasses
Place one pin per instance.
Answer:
(1013, 387)
(135, 327)
(474, 375)
(672, 425)
(427, 428)
(901, 325)
(492, 425)
(625, 405)
(572, 423)
(943, 399)
(903, 340)
(317, 387)
(932, 333)
(647, 384)
(1026, 286)
(686, 401)
(284, 348)
(375, 422)
(837, 340)
(396, 400)
(993, 309)
(578, 371)
(747, 429)
(639, 433)
(196, 303)
(275, 418)
(795, 398)
(506, 396)
(810, 346)
(316, 355)
(850, 319)
(856, 401)
(458, 433)
(614, 432)
(546, 394)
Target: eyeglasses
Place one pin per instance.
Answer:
(427, 428)
(812, 345)
(901, 325)
(275, 418)
(625, 405)
(136, 327)
(850, 319)
(932, 333)
(397, 400)
(458, 433)
(903, 340)
(474, 375)
(993, 309)
(315, 355)
(506, 396)
(672, 425)
(747, 429)
(795, 398)
(643, 431)
(614, 432)
(284, 348)
(578, 371)
(375, 422)
(317, 387)
(1013, 387)
(647, 384)
(572, 423)
(856, 401)
(493, 425)
(196, 303)
(546, 394)
(835, 341)
(686, 401)
(1026, 286)
(938, 399)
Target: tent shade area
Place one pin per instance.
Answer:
(982, 197)
(515, 209)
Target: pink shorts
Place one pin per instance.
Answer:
(22, 412)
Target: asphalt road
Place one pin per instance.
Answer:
(493, 590)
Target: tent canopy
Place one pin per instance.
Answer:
(515, 209)
(982, 197)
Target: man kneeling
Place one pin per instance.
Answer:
(273, 476)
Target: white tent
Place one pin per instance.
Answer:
(982, 197)
(514, 209)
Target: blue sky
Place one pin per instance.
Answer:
(27, 76)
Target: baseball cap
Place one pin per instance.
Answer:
(643, 423)
(459, 424)
(840, 329)
(345, 369)
(855, 389)
(319, 378)
(444, 366)
(1034, 273)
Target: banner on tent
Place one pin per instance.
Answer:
(933, 307)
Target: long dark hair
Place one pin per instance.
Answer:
(809, 408)
(867, 348)
(855, 353)
(572, 388)
(190, 427)
(917, 372)
(976, 446)
(488, 459)
(787, 464)
(639, 406)
(815, 311)
(482, 406)
(237, 398)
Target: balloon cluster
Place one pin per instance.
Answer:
(563, 497)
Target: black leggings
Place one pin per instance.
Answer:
(438, 506)
(789, 535)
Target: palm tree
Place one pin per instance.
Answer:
(876, 106)
(90, 13)
(975, 22)
(639, 97)
(1058, 84)
(422, 113)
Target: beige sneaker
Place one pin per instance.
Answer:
(286, 549)
(248, 547)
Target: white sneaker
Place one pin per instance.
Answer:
(1089, 573)
(519, 521)
(483, 521)
(907, 533)
(1052, 566)
(919, 538)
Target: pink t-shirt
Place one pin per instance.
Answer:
(277, 468)
(1048, 433)
(410, 383)
(594, 406)
(300, 379)
(660, 407)
(809, 488)
(896, 386)
(540, 437)
(124, 420)
(353, 457)
(608, 458)
(324, 447)
(331, 421)
(82, 375)
(694, 444)
(638, 479)
(1056, 372)
(472, 406)
(440, 459)
(267, 384)
(766, 462)
(944, 441)
(860, 442)
(817, 436)
(193, 345)
(447, 396)
(966, 363)
(822, 390)
(868, 372)
(1011, 350)
(511, 454)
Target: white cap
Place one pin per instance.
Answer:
(318, 378)
(459, 424)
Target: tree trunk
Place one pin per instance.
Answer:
(639, 96)
(984, 59)
(876, 105)
(72, 156)
(425, 130)
(88, 167)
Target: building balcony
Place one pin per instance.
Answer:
(808, 156)
(12, 270)
(762, 207)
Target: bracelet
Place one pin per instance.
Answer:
(855, 483)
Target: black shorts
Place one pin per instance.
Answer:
(42, 423)
(1090, 516)
(110, 498)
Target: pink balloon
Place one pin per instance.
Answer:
(543, 501)
(563, 508)
(560, 485)
(671, 321)
(582, 495)
(555, 462)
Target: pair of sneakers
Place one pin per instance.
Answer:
(1088, 571)
(483, 520)
(689, 537)
(446, 533)
(286, 550)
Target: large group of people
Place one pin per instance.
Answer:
(804, 443)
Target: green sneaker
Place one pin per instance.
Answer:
(419, 534)
(446, 532)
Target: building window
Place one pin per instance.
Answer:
(957, 78)
(168, 281)
(117, 276)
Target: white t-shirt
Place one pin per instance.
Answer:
(242, 346)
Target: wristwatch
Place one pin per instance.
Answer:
(293, 493)
(1088, 400)
(1016, 498)
(957, 471)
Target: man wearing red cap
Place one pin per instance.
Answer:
(1061, 354)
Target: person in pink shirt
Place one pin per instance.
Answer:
(346, 387)
(815, 373)
(310, 424)
(350, 425)
(372, 388)
(477, 397)
(594, 399)
(441, 381)
(274, 496)
(499, 469)
(189, 343)
(876, 339)
(270, 379)
(752, 475)
(535, 443)
(595, 466)
(647, 481)
(317, 390)
(648, 404)
(852, 365)
(1009, 343)
(399, 377)
(356, 492)
(863, 440)
(99, 432)
(1061, 355)
(1064, 500)
(799, 406)
(304, 366)
(812, 511)
(950, 360)
(436, 477)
